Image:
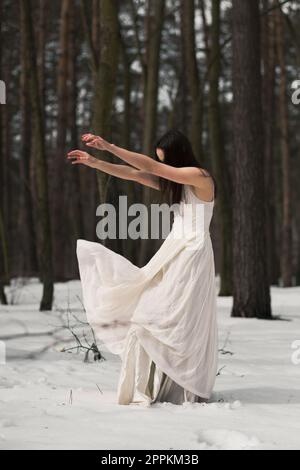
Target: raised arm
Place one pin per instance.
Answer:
(120, 171)
(185, 175)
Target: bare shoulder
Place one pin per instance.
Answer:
(206, 188)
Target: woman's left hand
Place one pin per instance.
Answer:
(95, 141)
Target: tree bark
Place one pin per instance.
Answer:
(193, 76)
(154, 21)
(127, 187)
(268, 56)
(286, 231)
(106, 80)
(58, 170)
(45, 245)
(151, 90)
(220, 170)
(73, 193)
(251, 295)
(27, 234)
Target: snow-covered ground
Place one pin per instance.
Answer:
(54, 400)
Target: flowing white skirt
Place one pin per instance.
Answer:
(160, 319)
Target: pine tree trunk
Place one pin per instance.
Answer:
(76, 209)
(182, 108)
(250, 278)
(286, 234)
(88, 179)
(220, 169)
(128, 187)
(151, 91)
(45, 245)
(268, 48)
(74, 216)
(155, 21)
(106, 80)
(58, 171)
(26, 220)
(192, 76)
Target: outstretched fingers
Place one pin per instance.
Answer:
(91, 140)
(77, 156)
(77, 153)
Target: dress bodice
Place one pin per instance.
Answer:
(196, 212)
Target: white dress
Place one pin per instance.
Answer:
(160, 318)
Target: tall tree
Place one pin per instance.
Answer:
(105, 77)
(59, 186)
(193, 75)
(127, 187)
(268, 93)
(103, 40)
(220, 169)
(26, 219)
(154, 34)
(88, 179)
(154, 25)
(286, 230)
(250, 281)
(45, 245)
(73, 193)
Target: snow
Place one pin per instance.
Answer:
(51, 399)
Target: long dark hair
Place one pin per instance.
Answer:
(178, 152)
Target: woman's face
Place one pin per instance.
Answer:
(160, 153)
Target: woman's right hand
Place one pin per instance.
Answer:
(83, 158)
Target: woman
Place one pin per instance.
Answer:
(161, 318)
